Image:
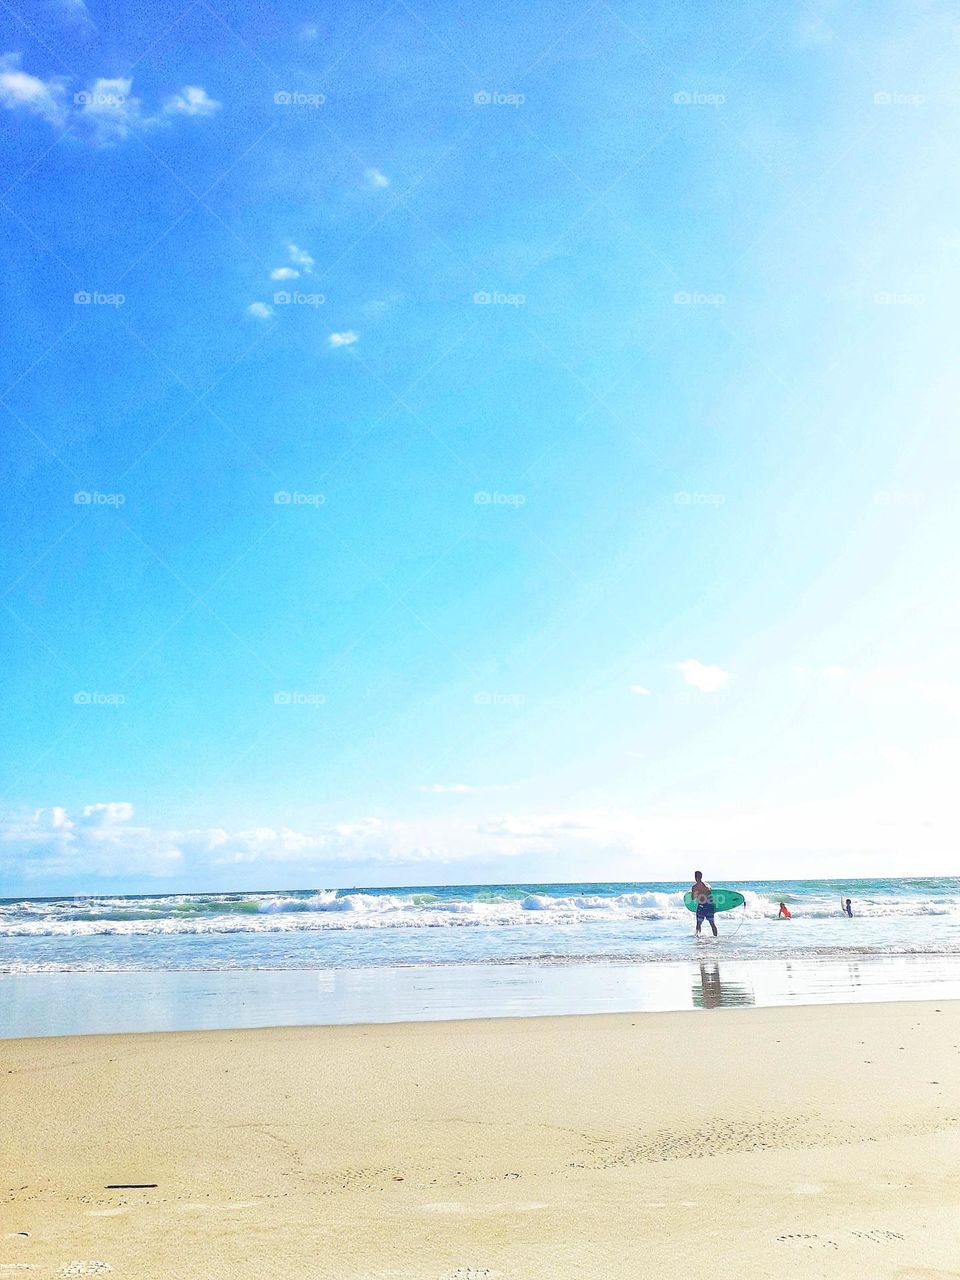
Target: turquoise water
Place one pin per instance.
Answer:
(427, 926)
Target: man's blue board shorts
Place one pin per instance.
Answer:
(705, 911)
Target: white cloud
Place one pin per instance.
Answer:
(309, 31)
(554, 828)
(345, 339)
(103, 815)
(105, 113)
(260, 310)
(902, 819)
(704, 676)
(192, 100)
(101, 841)
(20, 91)
(376, 179)
(284, 273)
(640, 690)
(301, 258)
(109, 112)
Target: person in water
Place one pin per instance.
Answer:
(784, 912)
(702, 895)
(848, 909)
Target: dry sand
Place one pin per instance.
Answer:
(801, 1142)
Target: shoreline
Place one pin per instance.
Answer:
(827, 1138)
(105, 1002)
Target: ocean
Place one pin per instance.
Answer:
(638, 923)
(366, 954)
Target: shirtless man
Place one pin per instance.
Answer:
(703, 896)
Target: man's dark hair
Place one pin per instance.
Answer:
(697, 875)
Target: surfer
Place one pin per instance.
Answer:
(702, 895)
(847, 907)
(784, 912)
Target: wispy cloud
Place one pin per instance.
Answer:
(284, 273)
(448, 788)
(704, 676)
(345, 339)
(892, 686)
(109, 112)
(259, 310)
(192, 100)
(376, 179)
(301, 258)
(20, 91)
(640, 690)
(75, 10)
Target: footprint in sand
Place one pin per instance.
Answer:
(808, 1242)
(472, 1273)
(454, 1206)
(85, 1269)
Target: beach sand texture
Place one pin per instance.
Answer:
(788, 1142)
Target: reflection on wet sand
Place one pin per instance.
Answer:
(714, 994)
(801, 979)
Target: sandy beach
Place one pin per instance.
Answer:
(782, 1142)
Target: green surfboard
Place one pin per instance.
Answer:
(723, 900)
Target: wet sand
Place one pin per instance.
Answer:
(785, 1142)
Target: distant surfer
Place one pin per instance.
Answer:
(784, 912)
(847, 907)
(702, 895)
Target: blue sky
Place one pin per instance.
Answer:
(496, 445)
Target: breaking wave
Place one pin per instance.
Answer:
(456, 907)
